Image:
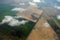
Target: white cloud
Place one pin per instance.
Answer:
(36, 0)
(7, 19)
(12, 21)
(58, 0)
(46, 24)
(18, 9)
(18, 16)
(58, 7)
(58, 17)
(23, 22)
(21, 3)
(32, 3)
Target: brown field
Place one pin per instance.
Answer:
(42, 32)
(32, 13)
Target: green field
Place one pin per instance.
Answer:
(5, 9)
(6, 29)
(53, 24)
(56, 19)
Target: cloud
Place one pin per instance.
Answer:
(18, 16)
(36, 0)
(58, 7)
(58, 17)
(58, 0)
(12, 21)
(32, 3)
(46, 24)
(21, 3)
(18, 9)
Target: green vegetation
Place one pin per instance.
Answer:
(57, 19)
(26, 28)
(5, 29)
(53, 24)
